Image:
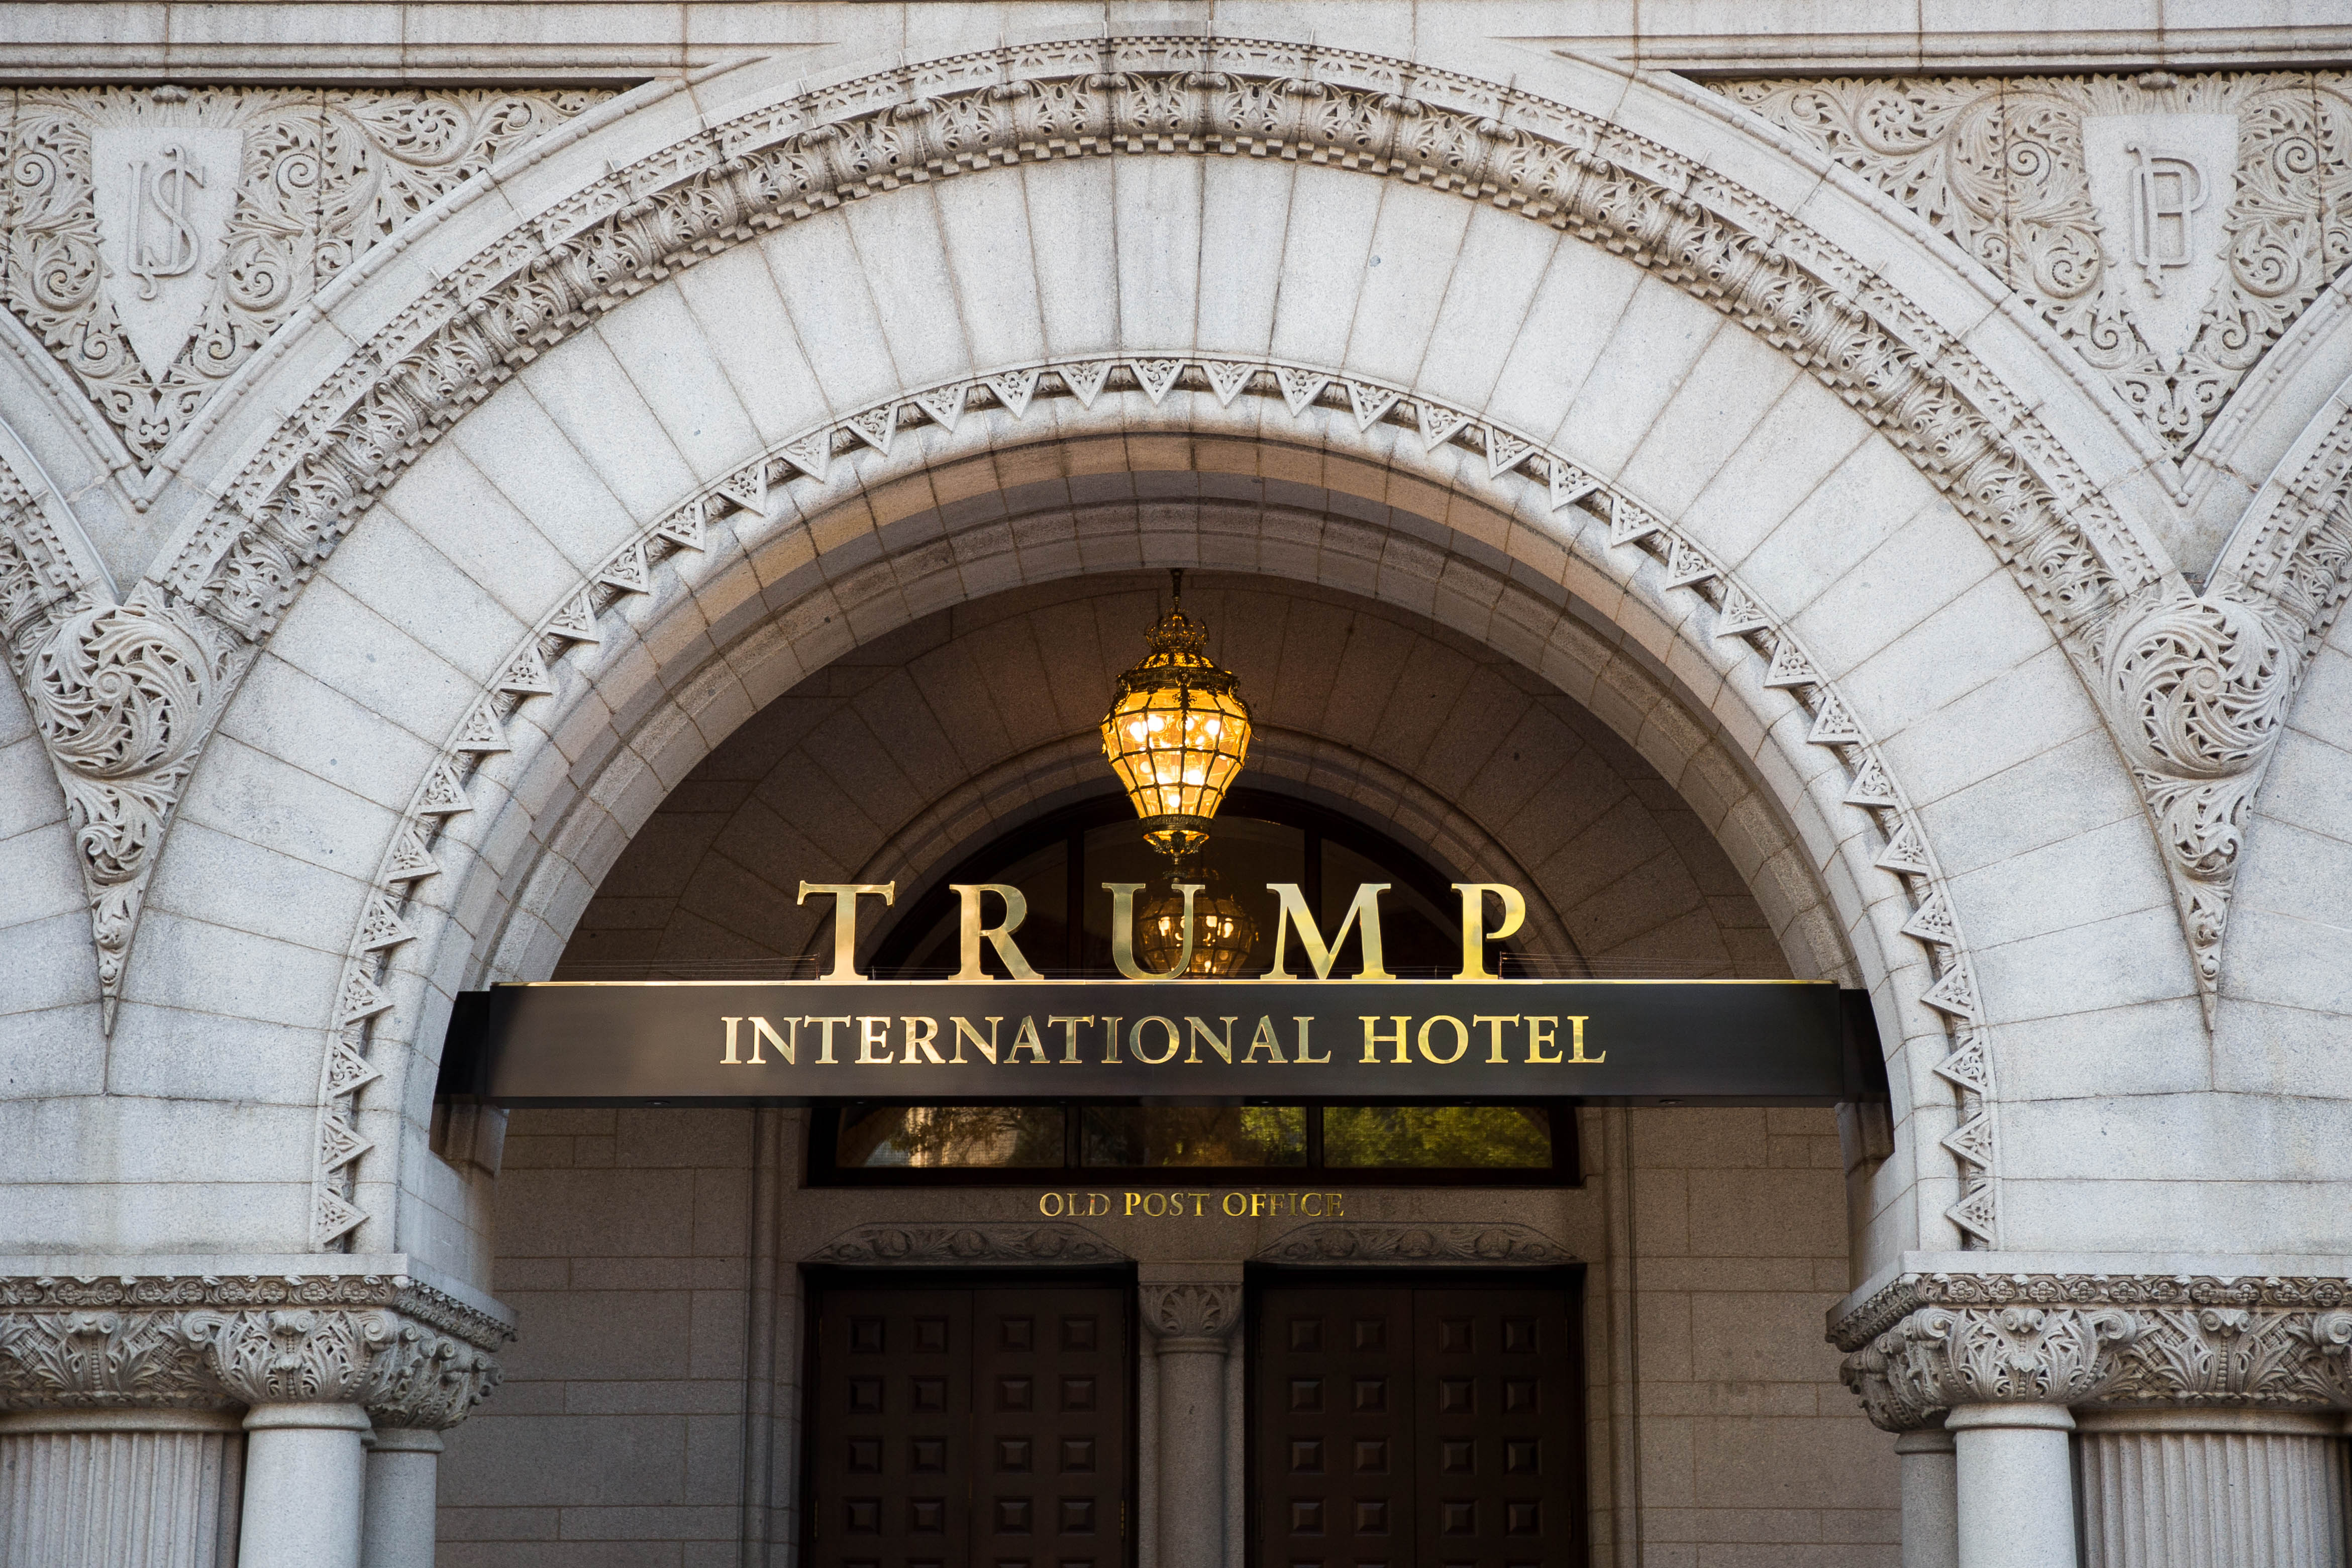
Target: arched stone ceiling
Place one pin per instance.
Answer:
(1401, 722)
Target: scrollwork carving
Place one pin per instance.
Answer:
(1345, 1242)
(2198, 687)
(952, 1244)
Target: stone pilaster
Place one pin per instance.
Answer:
(2206, 1410)
(1192, 1322)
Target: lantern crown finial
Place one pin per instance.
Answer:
(1177, 732)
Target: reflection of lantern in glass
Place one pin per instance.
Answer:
(1222, 931)
(1177, 732)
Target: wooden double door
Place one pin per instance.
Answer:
(1437, 1424)
(968, 1425)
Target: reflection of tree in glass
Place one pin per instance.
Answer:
(1189, 1135)
(951, 1135)
(1456, 1137)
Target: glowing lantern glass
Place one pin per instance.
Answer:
(1177, 732)
(1222, 931)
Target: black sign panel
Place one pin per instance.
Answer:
(1720, 1042)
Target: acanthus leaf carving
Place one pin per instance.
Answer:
(1192, 1314)
(932, 1244)
(1929, 1342)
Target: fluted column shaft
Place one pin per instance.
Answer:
(2210, 1489)
(129, 1489)
(1192, 1322)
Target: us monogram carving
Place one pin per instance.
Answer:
(134, 695)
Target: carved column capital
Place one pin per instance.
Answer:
(2098, 1341)
(1192, 1315)
(413, 1357)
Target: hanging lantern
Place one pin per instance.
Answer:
(1222, 931)
(1177, 732)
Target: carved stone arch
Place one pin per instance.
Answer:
(1512, 503)
(1699, 201)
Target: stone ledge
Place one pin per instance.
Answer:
(389, 1281)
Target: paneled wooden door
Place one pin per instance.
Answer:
(1424, 1423)
(980, 1425)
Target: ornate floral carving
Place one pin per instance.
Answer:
(2200, 687)
(1191, 1314)
(206, 1343)
(936, 1244)
(1372, 1241)
(2001, 167)
(72, 1360)
(306, 182)
(1928, 1342)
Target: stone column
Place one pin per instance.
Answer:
(129, 1489)
(2016, 1485)
(2210, 1489)
(1194, 1321)
(2206, 1404)
(1931, 1504)
(121, 1426)
(396, 1527)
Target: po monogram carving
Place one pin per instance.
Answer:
(2168, 232)
(159, 235)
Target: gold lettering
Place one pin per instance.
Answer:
(1026, 1039)
(1543, 1049)
(1302, 1057)
(1474, 935)
(1227, 1202)
(1332, 1207)
(1151, 1198)
(728, 1059)
(1134, 1040)
(825, 1045)
(1069, 1028)
(784, 1046)
(1199, 1198)
(1576, 1042)
(1461, 1040)
(1495, 1022)
(874, 1033)
(1122, 931)
(1199, 1030)
(922, 1039)
(1374, 1038)
(1264, 1040)
(845, 895)
(1098, 1197)
(987, 1048)
(971, 930)
(1133, 1200)
(1110, 1038)
(1049, 1204)
(1363, 915)
(1314, 1198)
